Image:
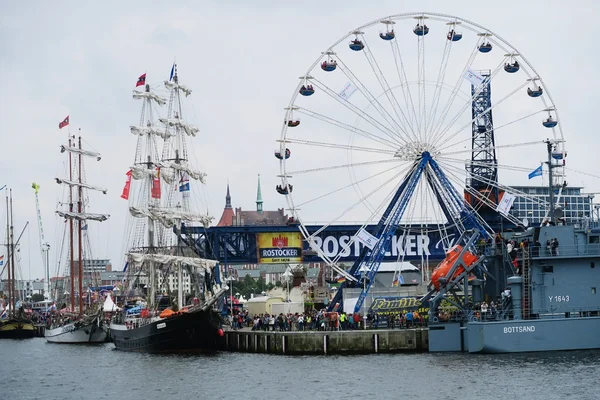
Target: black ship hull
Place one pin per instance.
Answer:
(186, 332)
(16, 328)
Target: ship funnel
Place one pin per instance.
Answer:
(516, 289)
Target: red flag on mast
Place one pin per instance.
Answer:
(125, 194)
(156, 185)
(141, 80)
(64, 123)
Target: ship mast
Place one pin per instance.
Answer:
(71, 238)
(175, 164)
(80, 215)
(79, 233)
(9, 254)
(12, 283)
(144, 238)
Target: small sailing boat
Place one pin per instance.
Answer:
(158, 254)
(81, 323)
(15, 323)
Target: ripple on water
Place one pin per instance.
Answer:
(34, 369)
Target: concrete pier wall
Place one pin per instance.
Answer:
(327, 342)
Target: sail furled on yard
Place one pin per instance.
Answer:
(170, 218)
(161, 101)
(176, 122)
(167, 259)
(169, 168)
(77, 150)
(83, 216)
(149, 130)
(81, 184)
(178, 86)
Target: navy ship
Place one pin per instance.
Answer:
(548, 284)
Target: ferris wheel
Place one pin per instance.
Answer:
(418, 117)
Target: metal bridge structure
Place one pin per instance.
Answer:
(235, 245)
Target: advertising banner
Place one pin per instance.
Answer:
(395, 305)
(279, 248)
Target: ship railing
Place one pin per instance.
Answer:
(574, 312)
(588, 249)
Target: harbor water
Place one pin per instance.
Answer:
(34, 369)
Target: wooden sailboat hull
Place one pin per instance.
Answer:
(192, 331)
(17, 329)
(70, 333)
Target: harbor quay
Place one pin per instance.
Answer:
(326, 342)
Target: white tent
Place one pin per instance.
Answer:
(109, 305)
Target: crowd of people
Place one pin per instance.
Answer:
(323, 320)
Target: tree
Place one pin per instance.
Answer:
(37, 297)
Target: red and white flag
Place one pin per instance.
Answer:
(141, 80)
(64, 123)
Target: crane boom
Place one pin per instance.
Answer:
(44, 246)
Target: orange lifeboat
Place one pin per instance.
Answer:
(444, 267)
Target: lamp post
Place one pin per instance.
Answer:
(363, 276)
(230, 280)
(287, 275)
(116, 292)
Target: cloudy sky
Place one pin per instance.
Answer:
(243, 60)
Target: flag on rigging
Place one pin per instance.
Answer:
(125, 194)
(506, 203)
(347, 91)
(474, 77)
(536, 172)
(141, 80)
(399, 280)
(156, 185)
(184, 185)
(1, 260)
(172, 72)
(366, 238)
(64, 123)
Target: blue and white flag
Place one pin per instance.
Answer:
(184, 185)
(172, 72)
(536, 172)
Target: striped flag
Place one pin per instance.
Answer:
(2, 260)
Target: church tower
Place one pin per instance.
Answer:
(259, 201)
(228, 214)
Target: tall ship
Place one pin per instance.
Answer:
(15, 323)
(170, 292)
(548, 298)
(82, 321)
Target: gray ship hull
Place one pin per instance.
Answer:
(534, 335)
(517, 336)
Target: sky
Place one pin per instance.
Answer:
(242, 59)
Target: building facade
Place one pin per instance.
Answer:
(576, 205)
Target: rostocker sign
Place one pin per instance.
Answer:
(276, 248)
